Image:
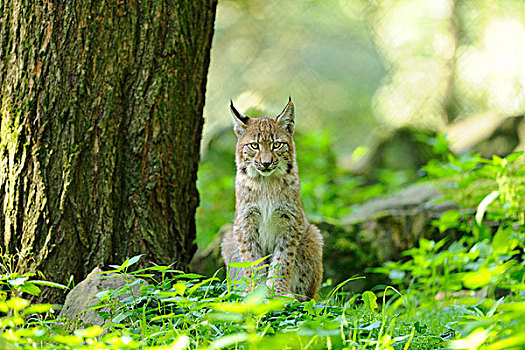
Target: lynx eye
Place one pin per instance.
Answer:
(254, 145)
(277, 145)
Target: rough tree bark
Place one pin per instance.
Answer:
(101, 120)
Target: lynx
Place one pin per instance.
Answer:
(269, 216)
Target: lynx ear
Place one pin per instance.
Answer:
(239, 120)
(287, 117)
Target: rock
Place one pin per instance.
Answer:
(379, 231)
(414, 198)
(83, 296)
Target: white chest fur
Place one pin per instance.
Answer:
(268, 228)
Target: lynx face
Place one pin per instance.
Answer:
(264, 145)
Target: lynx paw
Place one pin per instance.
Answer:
(278, 291)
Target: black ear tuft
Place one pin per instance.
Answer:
(241, 117)
(239, 120)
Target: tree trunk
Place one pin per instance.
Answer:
(101, 120)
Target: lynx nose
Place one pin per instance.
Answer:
(266, 164)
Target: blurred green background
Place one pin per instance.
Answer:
(361, 72)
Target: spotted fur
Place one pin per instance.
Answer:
(269, 217)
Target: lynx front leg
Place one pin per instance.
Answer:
(283, 259)
(245, 229)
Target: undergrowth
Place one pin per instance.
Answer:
(463, 294)
(181, 310)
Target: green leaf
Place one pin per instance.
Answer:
(38, 309)
(17, 304)
(176, 289)
(49, 284)
(477, 279)
(373, 325)
(123, 266)
(369, 298)
(504, 241)
(342, 284)
(473, 341)
(133, 260)
(498, 161)
(161, 317)
(122, 342)
(33, 332)
(258, 261)
(17, 281)
(200, 284)
(228, 341)
(256, 296)
(120, 317)
(103, 294)
(30, 288)
(70, 340)
(11, 322)
(90, 332)
(513, 307)
(3, 307)
(155, 268)
(449, 219)
(516, 341)
(182, 342)
(254, 303)
(189, 276)
(514, 156)
(266, 307)
(128, 262)
(226, 317)
(309, 307)
(4, 344)
(240, 264)
(494, 307)
(237, 308)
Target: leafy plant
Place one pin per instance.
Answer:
(178, 310)
(14, 283)
(487, 259)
